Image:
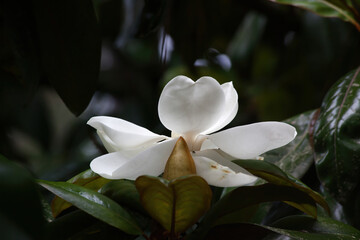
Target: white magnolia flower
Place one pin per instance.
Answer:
(193, 110)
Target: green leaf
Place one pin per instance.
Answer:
(231, 208)
(296, 157)
(19, 25)
(235, 201)
(336, 138)
(20, 205)
(175, 204)
(295, 227)
(70, 48)
(255, 231)
(275, 175)
(94, 204)
(87, 179)
(80, 225)
(123, 192)
(320, 225)
(328, 8)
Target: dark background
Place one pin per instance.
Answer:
(281, 59)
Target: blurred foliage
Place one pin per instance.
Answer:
(282, 60)
(279, 68)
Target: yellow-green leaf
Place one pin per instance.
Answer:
(176, 204)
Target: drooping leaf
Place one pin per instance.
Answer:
(328, 8)
(94, 204)
(319, 225)
(230, 208)
(295, 227)
(87, 179)
(19, 25)
(20, 205)
(176, 204)
(80, 225)
(275, 175)
(296, 157)
(70, 49)
(235, 201)
(336, 138)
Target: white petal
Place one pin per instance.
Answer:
(220, 176)
(107, 142)
(117, 134)
(249, 141)
(216, 156)
(192, 107)
(149, 162)
(229, 110)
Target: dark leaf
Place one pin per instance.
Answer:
(175, 204)
(20, 205)
(94, 204)
(70, 49)
(319, 225)
(275, 175)
(295, 227)
(123, 192)
(296, 157)
(328, 8)
(336, 138)
(87, 179)
(230, 208)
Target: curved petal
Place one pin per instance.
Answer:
(149, 162)
(249, 141)
(229, 110)
(220, 176)
(117, 134)
(192, 107)
(214, 155)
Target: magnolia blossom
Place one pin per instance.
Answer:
(195, 111)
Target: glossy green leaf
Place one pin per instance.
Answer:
(328, 8)
(20, 205)
(235, 200)
(123, 192)
(336, 138)
(275, 175)
(320, 225)
(94, 204)
(295, 227)
(296, 157)
(87, 179)
(79, 225)
(230, 208)
(70, 48)
(175, 204)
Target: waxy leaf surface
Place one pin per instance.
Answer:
(296, 157)
(275, 175)
(336, 138)
(344, 10)
(94, 204)
(87, 179)
(295, 227)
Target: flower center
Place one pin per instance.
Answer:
(194, 141)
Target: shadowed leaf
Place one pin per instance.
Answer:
(94, 204)
(176, 204)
